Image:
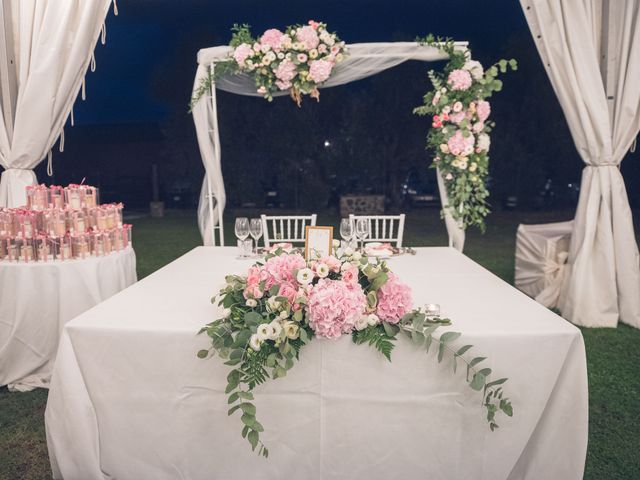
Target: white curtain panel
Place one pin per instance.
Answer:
(603, 284)
(364, 60)
(53, 42)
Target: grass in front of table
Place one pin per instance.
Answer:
(612, 354)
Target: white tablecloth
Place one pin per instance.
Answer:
(37, 299)
(130, 400)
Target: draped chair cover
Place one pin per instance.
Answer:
(602, 284)
(364, 60)
(53, 42)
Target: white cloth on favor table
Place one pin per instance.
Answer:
(37, 299)
(129, 399)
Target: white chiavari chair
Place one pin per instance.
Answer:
(286, 228)
(383, 228)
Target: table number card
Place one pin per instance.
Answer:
(318, 242)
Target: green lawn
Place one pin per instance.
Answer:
(614, 384)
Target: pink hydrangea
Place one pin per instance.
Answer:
(334, 307)
(283, 268)
(283, 85)
(459, 80)
(272, 37)
(394, 300)
(483, 109)
(457, 117)
(241, 53)
(286, 71)
(308, 36)
(460, 145)
(319, 70)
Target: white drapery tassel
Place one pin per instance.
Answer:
(633, 145)
(84, 89)
(50, 164)
(72, 120)
(93, 61)
(103, 34)
(61, 145)
(115, 8)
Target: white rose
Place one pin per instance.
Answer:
(474, 68)
(373, 319)
(255, 342)
(362, 323)
(484, 142)
(251, 303)
(265, 332)
(276, 329)
(291, 330)
(304, 276)
(322, 270)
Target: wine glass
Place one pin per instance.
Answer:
(362, 229)
(346, 230)
(255, 229)
(242, 232)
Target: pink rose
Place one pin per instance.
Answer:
(241, 53)
(253, 291)
(350, 275)
(483, 109)
(272, 37)
(289, 291)
(394, 300)
(334, 307)
(459, 80)
(332, 262)
(319, 70)
(308, 36)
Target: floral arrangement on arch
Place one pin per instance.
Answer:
(285, 302)
(297, 60)
(460, 133)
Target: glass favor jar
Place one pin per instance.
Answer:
(43, 249)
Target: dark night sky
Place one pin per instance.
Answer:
(153, 38)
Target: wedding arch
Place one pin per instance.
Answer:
(364, 60)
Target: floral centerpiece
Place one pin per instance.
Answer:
(297, 60)
(459, 137)
(283, 303)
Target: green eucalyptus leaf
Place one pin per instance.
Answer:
(203, 353)
(253, 438)
(248, 408)
(449, 336)
(477, 382)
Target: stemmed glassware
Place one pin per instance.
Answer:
(242, 232)
(255, 229)
(346, 230)
(362, 229)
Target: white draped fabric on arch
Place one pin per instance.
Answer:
(52, 43)
(364, 60)
(594, 70)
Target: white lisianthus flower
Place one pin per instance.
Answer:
(256, 47)
(251, 303)
(272, 303)
(356, 256)
(443, 90)
(265, 332)
(348, 251)
(276, 329)
(291, 330)
(444, 148)
(284, 315)
(362, 323)
(457, 107)
(322, 270)
(265, 48)
(473, 167)
(345, 266)
(474, 67)
(313, 53)
(336, 243)
(372, 319)
(255, 343)
(271, 56)
(339, 57)
(484, 142)
(446, 109)
(449, 176)
(304, 276)
(280, 55)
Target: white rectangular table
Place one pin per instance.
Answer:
(130, 400)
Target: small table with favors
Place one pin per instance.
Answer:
(60, 255)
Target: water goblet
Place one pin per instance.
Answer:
(346, 230)
(255, 229)
(242, 232)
